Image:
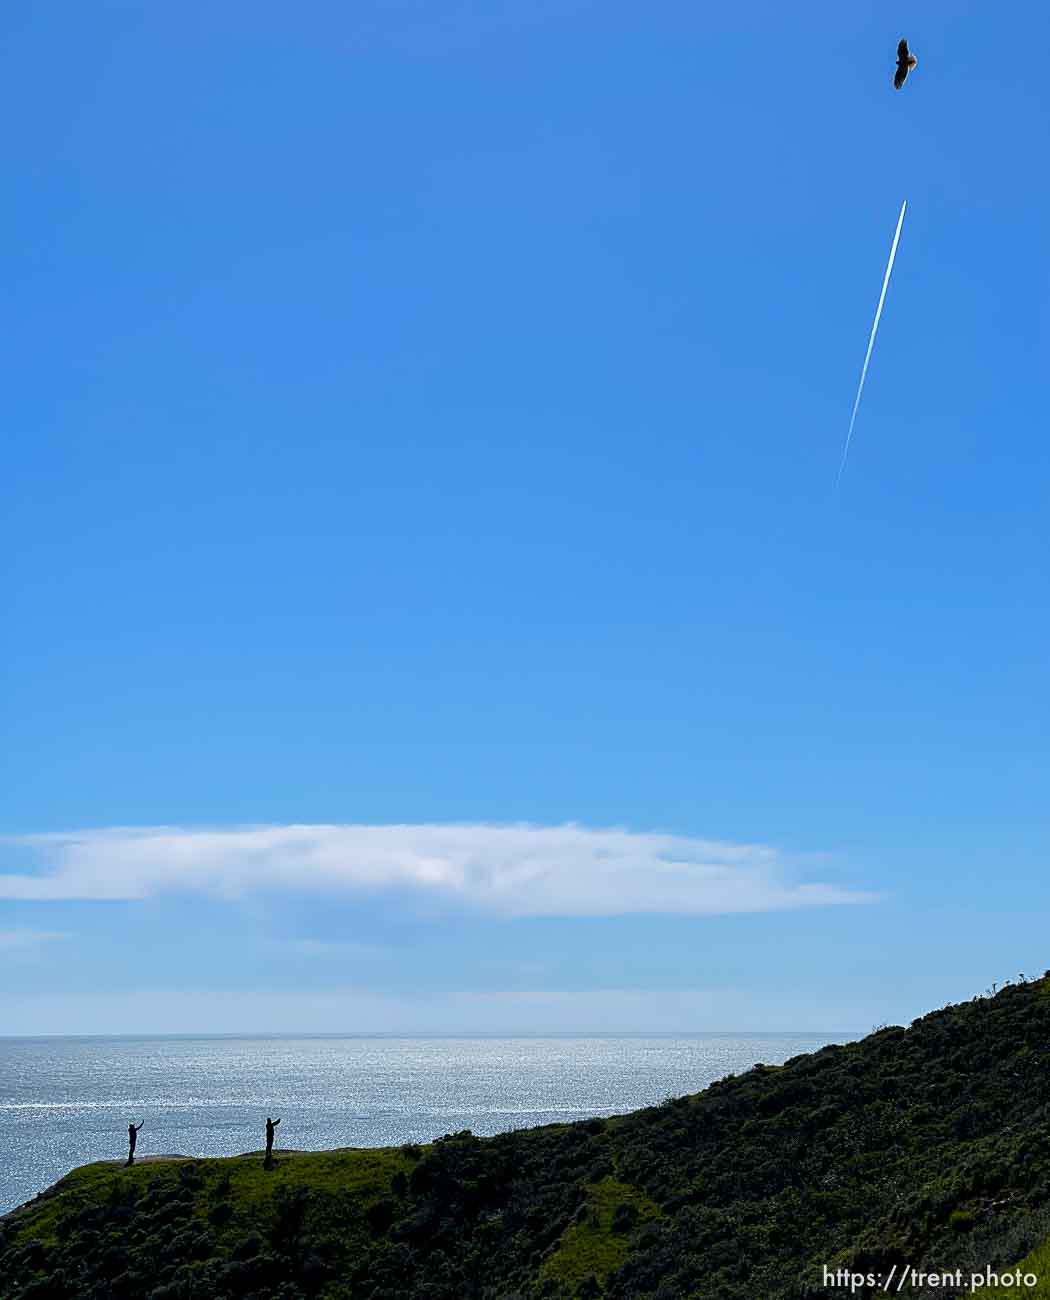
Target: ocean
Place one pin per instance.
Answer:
(68, 1101)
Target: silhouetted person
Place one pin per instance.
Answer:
(133, 1137)
(271, 1124)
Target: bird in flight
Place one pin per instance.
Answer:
(905, 62)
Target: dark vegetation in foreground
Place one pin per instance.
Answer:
(927, 1147)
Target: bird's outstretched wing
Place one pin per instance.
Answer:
(905, 62)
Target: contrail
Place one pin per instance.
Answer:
(871, 341)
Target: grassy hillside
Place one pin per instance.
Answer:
(926, 1148)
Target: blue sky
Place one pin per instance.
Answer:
(421, 424)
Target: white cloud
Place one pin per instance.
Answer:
(507, 870)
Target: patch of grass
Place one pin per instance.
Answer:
(197, 1229)
(90, 1185)
(597, 1242)
(1038, 1262)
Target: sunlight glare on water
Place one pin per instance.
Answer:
(68, 1101)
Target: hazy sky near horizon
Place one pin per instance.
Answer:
(427, 603)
